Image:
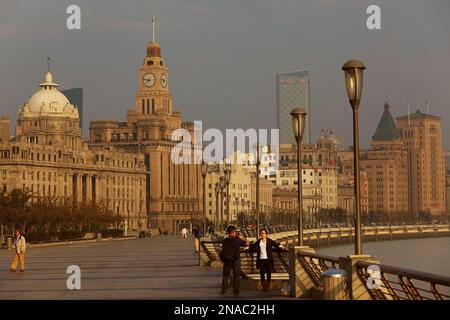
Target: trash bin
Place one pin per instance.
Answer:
(99, 237)
(334, 284)
(9, 243)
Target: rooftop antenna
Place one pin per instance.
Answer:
(153, 28)
(428, 110)
(48, 64)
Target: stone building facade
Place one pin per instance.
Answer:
(48, 156)
(173, 191)
(386, 165)
(319, 172)
(422, 136)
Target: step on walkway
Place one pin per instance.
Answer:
(163, 267)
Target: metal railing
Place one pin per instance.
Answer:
(396, 283)
(314, 264)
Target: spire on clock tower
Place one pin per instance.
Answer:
(153, 48)
(153, 94)
(153, 28)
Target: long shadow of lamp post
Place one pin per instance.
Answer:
(354, 83)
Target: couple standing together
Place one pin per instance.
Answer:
(230, 256)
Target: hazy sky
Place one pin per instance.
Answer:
(223, 56)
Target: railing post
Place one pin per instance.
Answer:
(299, 280)
(203, 259)
(357, 290)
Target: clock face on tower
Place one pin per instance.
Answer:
(163, 80)
(148, 80)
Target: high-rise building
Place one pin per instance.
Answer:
(292, 92)
(422, 135)
(447, 183)
(386, 165)
(75, 97)
(173, 191)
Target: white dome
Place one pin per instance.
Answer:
(46, 98)
(49, 101)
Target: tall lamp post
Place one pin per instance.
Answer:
(298, 124)
(243, 213)
(222, 184)
(217, 190)
(227, 173)
(236, 202)
(354, 83)
(258, 164)
(204, 173)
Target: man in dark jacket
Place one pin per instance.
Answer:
(230, 255)
(198, 234)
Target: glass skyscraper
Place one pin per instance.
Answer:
(292, 92)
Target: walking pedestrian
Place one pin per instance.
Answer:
(184, 233)
(230, 255)
(20, 248)
(264, 248)
(198, 234)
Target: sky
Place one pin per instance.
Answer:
(223, 57)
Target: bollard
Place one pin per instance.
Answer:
(9, 243)
(334, 284)
(99, 237)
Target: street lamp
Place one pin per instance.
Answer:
(227, 174)
(298, 125)
(243, 213)
(217, 190)
(236, 202)
(204, 170)
(222, 184)
(258, 164)
(354, 83)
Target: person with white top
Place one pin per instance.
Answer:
(20, 248)
(184, 233)
(264, 248)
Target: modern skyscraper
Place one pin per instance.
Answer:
(292, 92)
(75, 96)
(422, 134)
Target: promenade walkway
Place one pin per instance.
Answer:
(163, 267)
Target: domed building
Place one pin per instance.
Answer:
(47, 155)
(49, 118)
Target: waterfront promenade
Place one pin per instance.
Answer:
(163, 267)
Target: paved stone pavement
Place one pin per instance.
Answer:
(163, 267)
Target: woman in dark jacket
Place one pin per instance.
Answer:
(264, 260)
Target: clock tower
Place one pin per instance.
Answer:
(153, 94)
